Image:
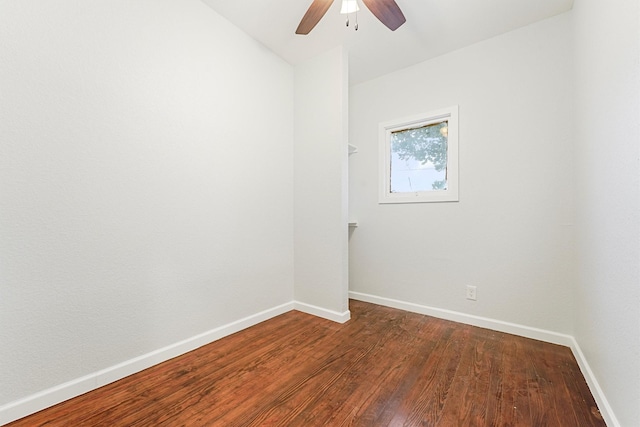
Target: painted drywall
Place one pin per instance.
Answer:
(510, 234)
(607, 182)
(321, 180)
(146, 190)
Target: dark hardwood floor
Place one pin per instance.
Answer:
(385, 367)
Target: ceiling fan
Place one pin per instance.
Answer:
(387, 11)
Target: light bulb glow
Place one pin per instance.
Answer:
(349, 6)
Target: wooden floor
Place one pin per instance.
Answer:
(385, 367)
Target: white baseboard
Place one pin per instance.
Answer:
(469, 319)
(322, 312)
(46, 398)
(510, 328)
(603, 404)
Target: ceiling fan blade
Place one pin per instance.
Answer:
(387, 11)
(315, 12)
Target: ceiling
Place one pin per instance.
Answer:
(433, 27)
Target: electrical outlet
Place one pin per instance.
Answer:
(471, 292)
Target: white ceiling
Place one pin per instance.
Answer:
(433, 27)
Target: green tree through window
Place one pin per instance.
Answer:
(426, 145)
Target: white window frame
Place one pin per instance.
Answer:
(385, 131)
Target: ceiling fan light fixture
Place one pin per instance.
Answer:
(387, 11)
(349, 6)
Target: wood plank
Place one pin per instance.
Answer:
(385, 367)
(513, 396)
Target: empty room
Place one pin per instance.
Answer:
(320, 213)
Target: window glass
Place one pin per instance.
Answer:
(419, 158)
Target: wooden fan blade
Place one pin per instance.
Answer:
(315, 12)
(387, 11)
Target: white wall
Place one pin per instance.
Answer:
(146, 191)
(321, 176)
(510, 234)
(607, 152)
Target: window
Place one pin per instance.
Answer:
(419, 158)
